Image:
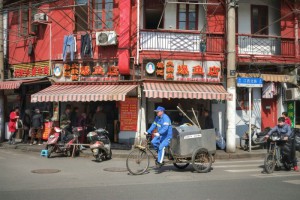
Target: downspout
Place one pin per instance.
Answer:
(296, 27)
(137, 33)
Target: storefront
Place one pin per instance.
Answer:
(88, 85)
(191, 85)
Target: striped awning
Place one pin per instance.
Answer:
(282, 78)
(10, 85)
(82, 93)
(186, 91)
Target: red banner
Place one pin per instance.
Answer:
(128, 114)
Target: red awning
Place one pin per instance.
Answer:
(186, 91)
(10, 85)
(83, 93)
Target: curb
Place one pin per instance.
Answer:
(121, 153)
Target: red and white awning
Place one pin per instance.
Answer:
(186, 91)
(11, 85)
(82, 93)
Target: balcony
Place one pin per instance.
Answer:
(265, 45)
(181, 41)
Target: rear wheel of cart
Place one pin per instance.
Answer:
(269, 163)
(137, 161)
(201, 160)
(181, 165)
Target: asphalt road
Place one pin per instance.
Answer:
(82, 178)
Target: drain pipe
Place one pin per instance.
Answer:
(137, 33)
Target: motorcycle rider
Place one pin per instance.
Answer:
(285, 130)
(164, 133)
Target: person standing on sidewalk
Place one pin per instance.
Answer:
(37, 123)
(65, 124)
(99, 118)
(13, 117)
(26, 125)
(287, 119)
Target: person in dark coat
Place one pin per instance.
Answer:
(208, 123)
(26, 125)
(37, 124)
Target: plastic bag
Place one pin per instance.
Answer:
(220, 140)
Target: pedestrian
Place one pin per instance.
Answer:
(26, 125)
(12, 125)
(74, 116)
(65, 124)
(37, 125)
(99, 118)
(82, 122)
(208, 122)
(163, 135)
(287, 119)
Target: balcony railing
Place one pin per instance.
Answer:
(181, 41)
(265, 45)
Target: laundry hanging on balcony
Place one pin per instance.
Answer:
(69, 46)
(86, 46)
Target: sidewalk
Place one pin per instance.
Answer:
(122, 150)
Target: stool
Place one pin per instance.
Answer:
(44, 152)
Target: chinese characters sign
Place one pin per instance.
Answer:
(31, 70)
(128, 114)
(249, 82)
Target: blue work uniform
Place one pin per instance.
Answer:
(164, 128)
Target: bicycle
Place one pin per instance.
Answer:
(274, 158)
(138, 159)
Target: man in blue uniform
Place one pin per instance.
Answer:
(164, 133)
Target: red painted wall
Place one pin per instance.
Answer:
(18, 46)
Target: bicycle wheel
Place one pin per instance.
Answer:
(269, 163)
(137, 161)
(201, 160)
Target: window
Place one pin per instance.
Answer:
(26, 17)
(187, 16)
(259, 20)
(94, 14)
(153, 10)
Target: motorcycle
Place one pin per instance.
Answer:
(67, 148)
(257, 138)
(100, 144)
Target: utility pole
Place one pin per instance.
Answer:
(2, 120)
(231, 77)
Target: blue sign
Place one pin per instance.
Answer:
(249, 82)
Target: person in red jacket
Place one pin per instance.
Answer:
(13, 117)
(287, 119)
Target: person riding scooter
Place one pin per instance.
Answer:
(284, 130)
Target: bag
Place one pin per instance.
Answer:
(19, 124)
(220, 140)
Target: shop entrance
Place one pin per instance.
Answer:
(269, 113)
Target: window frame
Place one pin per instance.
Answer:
(261, 9)
(187, 16)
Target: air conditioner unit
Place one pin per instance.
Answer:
(106, 38)
(40, 17)
(292, 94)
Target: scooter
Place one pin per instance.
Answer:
(100, 144)
(256, 138)
(67, 148)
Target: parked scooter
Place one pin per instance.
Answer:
(256, 138)
(100, 144)
(67, 148)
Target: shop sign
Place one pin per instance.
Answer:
(187, 70)
(57, 70)
(31, 70)
(291, 112)
(128, 114)
(150, 68)
(98, 79)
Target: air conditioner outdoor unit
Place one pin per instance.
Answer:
(40, 17)
(292, 94)
(106, 38)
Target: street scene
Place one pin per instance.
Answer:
(82, 178)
